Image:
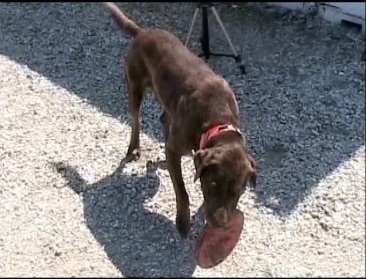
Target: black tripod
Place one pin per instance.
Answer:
(205, 39)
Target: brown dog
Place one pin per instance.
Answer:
(200, 113)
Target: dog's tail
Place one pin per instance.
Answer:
(126, 24)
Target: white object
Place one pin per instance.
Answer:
(335, 12)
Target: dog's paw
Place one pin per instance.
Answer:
(183, 226)
(133, 155)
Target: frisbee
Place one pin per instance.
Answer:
(215, 244)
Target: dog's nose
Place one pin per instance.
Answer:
(221, 216)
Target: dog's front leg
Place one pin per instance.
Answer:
(173, 161)
(135, 95)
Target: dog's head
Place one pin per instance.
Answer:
(224, 174)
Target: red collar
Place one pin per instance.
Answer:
(213, 131)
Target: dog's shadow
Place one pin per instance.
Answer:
(140, 243)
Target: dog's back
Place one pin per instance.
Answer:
(158, 59)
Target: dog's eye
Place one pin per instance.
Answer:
(213, 184)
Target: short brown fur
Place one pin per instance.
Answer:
(193, 99)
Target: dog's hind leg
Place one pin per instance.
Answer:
(135, 95)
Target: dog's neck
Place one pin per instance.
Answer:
(214, 131)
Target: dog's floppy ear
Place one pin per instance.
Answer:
(200, 162)
(252, 172)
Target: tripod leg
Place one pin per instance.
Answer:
(192, 25)
(237, 56)
(205, 38)
(224, 30)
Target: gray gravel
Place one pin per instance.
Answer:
(65, 211)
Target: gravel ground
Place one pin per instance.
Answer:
(65, 211)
